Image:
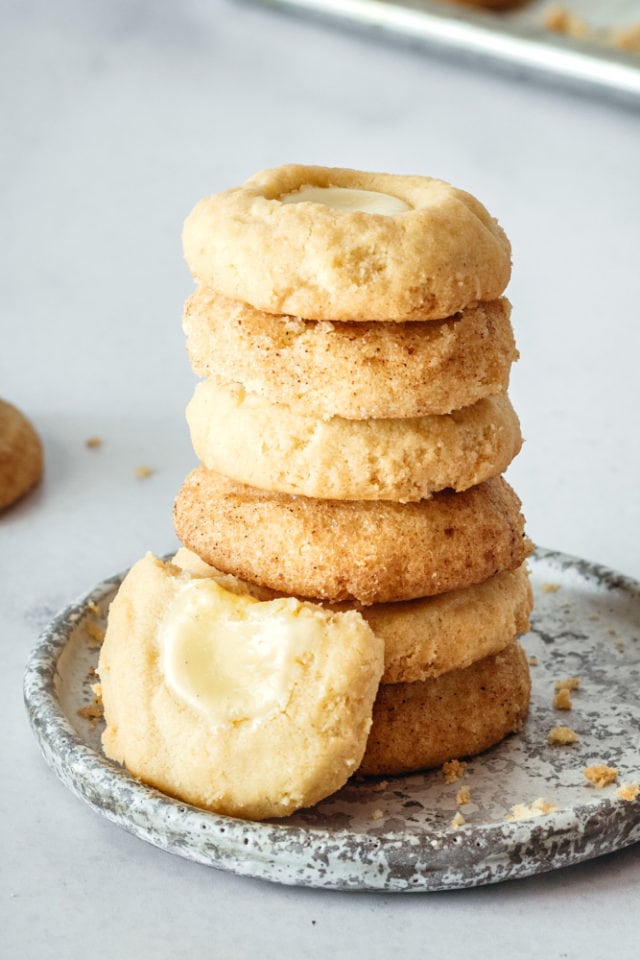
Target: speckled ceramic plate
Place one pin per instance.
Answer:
(395, 834)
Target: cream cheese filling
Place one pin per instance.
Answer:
(347, 198)
(233, 658)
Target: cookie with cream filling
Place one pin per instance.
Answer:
(337, 244)
(247, 708)
(430, 636)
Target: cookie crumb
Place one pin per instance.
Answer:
(380, 786)
(628, 39)
(458, 821)
(94, 631)
(539, 807)
(533, 661)
(571, 683)
(377, 815)
(561, 736)
(93, 712)
(600, 775)
(562, 700)
(93, 443)
(550, 587)
(463, 796)
(452, 770)
(628, 792)
(143, 472)
(561, 20)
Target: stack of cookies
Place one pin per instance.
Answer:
(352, 426)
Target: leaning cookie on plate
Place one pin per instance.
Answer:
(427, 637)
(244, 707)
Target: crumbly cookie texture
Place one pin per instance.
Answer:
(461, 713)
(353, 370)
(562, 736)
(303, 743)
(452, 770)
(271, 447)
(307, 259)
(600, 775)
(463, 796)
(427, 637)
(562, 700)
(539, 808)
(628, 792)
(370, 551)
(21, 457)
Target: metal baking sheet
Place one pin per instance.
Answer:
(516, 40)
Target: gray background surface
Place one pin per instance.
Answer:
(116, 118)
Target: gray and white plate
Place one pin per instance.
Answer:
(396, 834)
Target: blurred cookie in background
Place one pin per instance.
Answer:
(21, 456)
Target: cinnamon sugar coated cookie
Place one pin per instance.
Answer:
(334, 244)
(21, 457)
(425, 638)
(420, 725)
(370, 551)
(247, 708)
(353, 370)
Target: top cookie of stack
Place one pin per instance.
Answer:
(401, 247)
(352, 333)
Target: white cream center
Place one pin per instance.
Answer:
(234, 658)
(346, 198)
